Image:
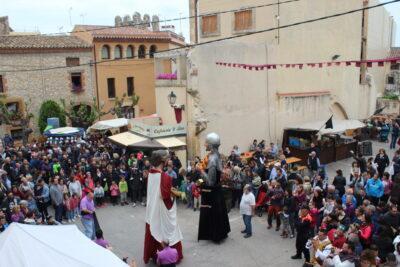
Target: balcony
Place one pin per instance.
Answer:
(170, 69)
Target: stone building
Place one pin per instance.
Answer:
(125, 63)
(243, 105)
(35, 68)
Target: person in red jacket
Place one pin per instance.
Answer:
(365, 232)
(337, 237)
(196, 192)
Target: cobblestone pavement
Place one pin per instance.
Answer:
(124, 228)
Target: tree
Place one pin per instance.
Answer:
(85, 116)
(18, 118)
(50, 109)
(120, 104)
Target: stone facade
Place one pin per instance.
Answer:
(38, 86)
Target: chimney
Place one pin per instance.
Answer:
(4, 26)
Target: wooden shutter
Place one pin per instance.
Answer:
(209, 24)
(243, 20)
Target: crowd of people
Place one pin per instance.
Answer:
(344, 221)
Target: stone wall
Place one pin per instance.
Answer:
(38, 86)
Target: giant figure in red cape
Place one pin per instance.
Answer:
(161, 219)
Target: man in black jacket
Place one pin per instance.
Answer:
(303, 229)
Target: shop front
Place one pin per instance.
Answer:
(334, 144)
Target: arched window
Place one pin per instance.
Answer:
(105, 52)
(153, 50)
(129, 51)
(118, 51)
(142, 51)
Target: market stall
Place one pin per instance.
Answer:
(105, 125)
(334, 144)
(47, 246)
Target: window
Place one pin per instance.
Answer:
(72, 61)
(13, 107)
(118, 52)
(243, 20)
(130, 85)
(142, 52)
(17, 134)
(390, 80)
(105, 52)
(209, 24)
(111, 87)
(395, 66)
(129, 51)
(76, 81)
(153, 50)
(1, 84)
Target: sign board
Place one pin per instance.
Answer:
(152, 131)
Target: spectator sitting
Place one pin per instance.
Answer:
(168, 256)
(100, 240)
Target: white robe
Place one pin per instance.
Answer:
(163, 222)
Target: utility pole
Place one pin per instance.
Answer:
(70, 17)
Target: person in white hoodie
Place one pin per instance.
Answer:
(342, 258)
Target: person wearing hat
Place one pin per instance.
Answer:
(321, 246)
(337, 237)
(304, 231)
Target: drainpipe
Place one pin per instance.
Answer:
(95, 74)
(196, 31)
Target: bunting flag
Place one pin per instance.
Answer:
(356, 63)
(329, 123)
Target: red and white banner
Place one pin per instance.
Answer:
(357, 63)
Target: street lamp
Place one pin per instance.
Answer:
(172, 98)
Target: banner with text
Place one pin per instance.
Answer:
(152, 131)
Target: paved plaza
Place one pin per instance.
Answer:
(124, 228)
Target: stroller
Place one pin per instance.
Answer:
(262, 199)
(384, 133)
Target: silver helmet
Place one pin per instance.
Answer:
(213, 139)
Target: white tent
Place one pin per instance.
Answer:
(23, 245)
(109, 124)
(339, 126)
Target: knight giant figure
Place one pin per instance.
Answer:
(214, 221)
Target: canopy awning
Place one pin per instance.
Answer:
(64, 132)
(339, 126)
(136, 141)
(127, 138)
(171, 142)
(109, 124)
(47, 246)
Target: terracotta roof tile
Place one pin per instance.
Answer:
(41, 41)
(129, 32)
(394, 52)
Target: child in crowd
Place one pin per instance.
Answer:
(182, 190)
(284, 214)
(189, 194)
(114, 193)
(17, 215)
(63, 186)
(98, 195)
(123, 190)
(75, 206)
(196, 192)
(314, 216)
(69, 211)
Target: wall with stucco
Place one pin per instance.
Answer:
(53, 84)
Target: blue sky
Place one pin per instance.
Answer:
(52, 16)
